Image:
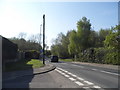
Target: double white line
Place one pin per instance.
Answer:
(75, 77)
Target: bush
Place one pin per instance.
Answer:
(32, 54)
(99, 55)
(111, 57)
(87, 55)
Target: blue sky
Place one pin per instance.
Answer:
(16, 17)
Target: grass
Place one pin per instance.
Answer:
(67, 60)
(35, 63)
(23, 65)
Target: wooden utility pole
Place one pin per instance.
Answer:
(44, 39)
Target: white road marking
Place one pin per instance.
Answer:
(63, 70)
(72, 79)
(109, 72)
(78, 66)
(96, 87)
(73, 75)
(59, 68)
(90, 83)
(80, 78)
(67, 76)
(79, 83)
(63, 73)
(66, 71)
(69, 73)
(94, 69)
(58, 71)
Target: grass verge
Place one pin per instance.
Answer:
(23, 65)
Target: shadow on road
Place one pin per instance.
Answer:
(17, 79)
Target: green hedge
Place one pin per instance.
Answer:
(32, 54)
(100, 55)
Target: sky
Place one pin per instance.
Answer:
(16, 17)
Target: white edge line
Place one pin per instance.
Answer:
(96, 86)
(79, 83)
(72, 79)
(90, 83)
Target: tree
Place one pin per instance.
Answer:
(72, 47)
(112, 45)
(60, 46)
(102, 35)
(94, 39)
(83, 33)
(24, 45)
(22, 35)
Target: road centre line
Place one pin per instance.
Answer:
(109, 72)
(94, 69)
(106, 72)
(98, 70)
(78, 66)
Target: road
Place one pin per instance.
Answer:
(68, 75)
(101, 77)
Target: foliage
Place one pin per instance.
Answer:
(111, 57)
(112, 44)
(60, 45)
(87, 45)
(72, 47)
(24, 45)
(32, 54)
(83, 33)
(48, 53)
(66, 60)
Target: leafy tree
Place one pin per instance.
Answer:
(94, 39)
(72, 47)
(102, 35)
(83, 33)
(24, 45)
(111, 44)
(60, 46)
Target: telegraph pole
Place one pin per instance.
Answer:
(44, 39)
(40, 42)
(40, 33)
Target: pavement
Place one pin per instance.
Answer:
(15, 74)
